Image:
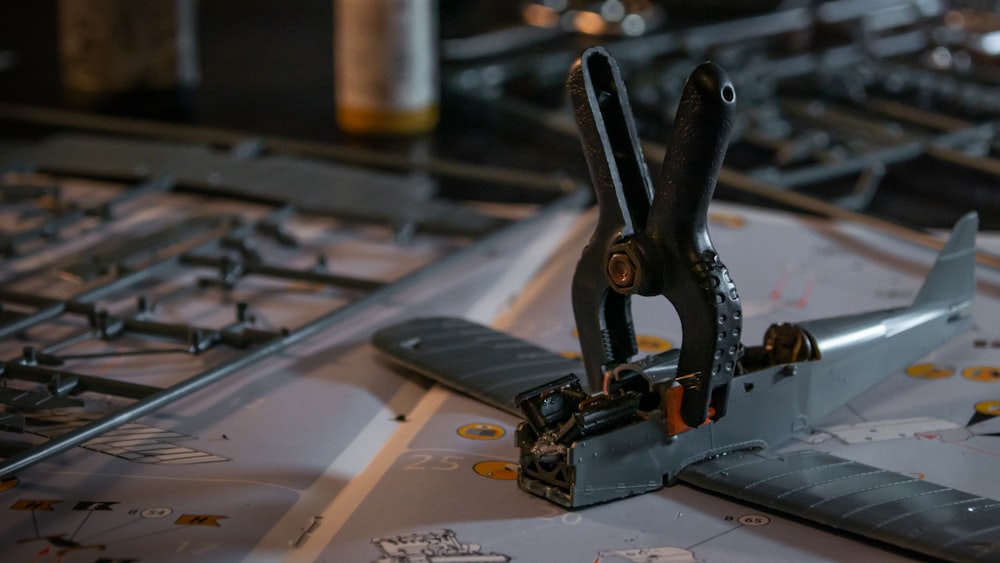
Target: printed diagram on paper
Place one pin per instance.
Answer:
(322, 452)
(116, 292)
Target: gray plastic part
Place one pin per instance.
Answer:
(305, 184)
(479, 361)
(31, 400)
(766, 406)
(865, 500)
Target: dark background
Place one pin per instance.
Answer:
(267, 68)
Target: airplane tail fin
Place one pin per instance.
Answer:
(872, 345)
(952, 280)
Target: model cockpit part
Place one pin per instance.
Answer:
(703, 414)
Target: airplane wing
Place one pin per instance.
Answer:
(875, 503)
(485, 364)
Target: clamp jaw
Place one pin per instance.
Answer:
(652, 238)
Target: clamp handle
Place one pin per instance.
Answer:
(696, 282)
(624, 194)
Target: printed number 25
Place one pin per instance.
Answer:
(427, 461)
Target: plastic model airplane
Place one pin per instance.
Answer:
(705, 414)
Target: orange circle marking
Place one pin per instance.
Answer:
(481, 431)
(571, 355)
(929, 371)
(652, 344)
(500, 470)
(990, 408)
(982, 373)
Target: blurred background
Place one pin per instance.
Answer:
(885, 107)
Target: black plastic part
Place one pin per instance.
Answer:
(550, 403)
(659, 237)
(624, 193)
(697, 283)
